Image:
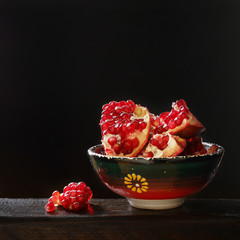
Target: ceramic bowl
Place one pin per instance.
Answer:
(157, 183)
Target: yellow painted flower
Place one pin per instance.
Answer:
(136, 183)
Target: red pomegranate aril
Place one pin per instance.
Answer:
(61, 197)
(108, 109)
(73, 199)
(135, 123)
(56, 194)
(184, 109)
(155, 121)
(128, 145)
(65, 204)
(122, 103)
(147, 154)
(165, 127)
(73, 193)
(117, 148)
(159, 129)
(50, 207)
(124, 115)
(178, 121)
(154, 142)
(112, 129)
(65, 189)
(167, 119)
(112, 140)
(109, 122)
(130, 127)
(135, 142)
(105, 132)
(180, 103)
(171, 124)
(117, 128)
(183, 115)
(103, 119)
(162, 145)
(124, 130)
(76, 206)
(130, 102)
(67, 196)
(165, 138)
(142, 126)
(81, 186)
(72, 185)
(104, 126)
(118, 109)
(53, 199)
(126, 109)
(113, 103)
(173, 114)
(162, 116)
(127, 151)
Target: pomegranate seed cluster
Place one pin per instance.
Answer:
(172, 119)
(130, 130)
(75, 197)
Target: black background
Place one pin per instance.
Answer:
(60, 61)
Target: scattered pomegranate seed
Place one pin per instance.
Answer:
(75, 196)
(50, 207)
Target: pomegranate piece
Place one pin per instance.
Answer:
(75, 197)
(179, 121)
(125, 128)
(164, 145)
(194, 147)
(185, 125)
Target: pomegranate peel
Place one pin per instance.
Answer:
(190, 127)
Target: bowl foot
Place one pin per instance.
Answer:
(156, 204)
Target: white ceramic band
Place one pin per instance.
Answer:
(156, 204)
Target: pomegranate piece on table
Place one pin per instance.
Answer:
(125, 128)
(179, 121)
(164, 145)
(75, 197)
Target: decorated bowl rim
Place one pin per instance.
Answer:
(220, 150)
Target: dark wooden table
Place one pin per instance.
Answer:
(115, 219)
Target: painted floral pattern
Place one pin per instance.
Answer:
(136, 183)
